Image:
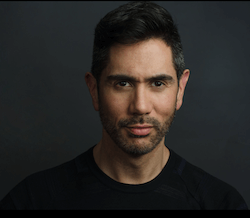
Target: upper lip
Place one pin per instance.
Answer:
(140, 126)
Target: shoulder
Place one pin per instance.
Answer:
(209, 191)
(39, 189)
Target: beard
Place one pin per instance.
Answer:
(130, 143)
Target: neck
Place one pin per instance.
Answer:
(125, 168)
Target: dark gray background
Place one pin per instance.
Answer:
(46, 113)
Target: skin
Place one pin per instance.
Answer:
(154, 101)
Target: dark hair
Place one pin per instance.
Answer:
(132, 23)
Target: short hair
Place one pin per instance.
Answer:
(132, 23)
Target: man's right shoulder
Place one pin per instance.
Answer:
(39, 189)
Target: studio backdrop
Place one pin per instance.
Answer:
(46, 112)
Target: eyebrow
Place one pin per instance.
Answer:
(164, 77)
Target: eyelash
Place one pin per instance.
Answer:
(128, 82)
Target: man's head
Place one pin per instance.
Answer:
(141, 78)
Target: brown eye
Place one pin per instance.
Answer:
(158, 83)
(123, 83)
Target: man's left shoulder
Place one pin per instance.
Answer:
(211, 192)
(219, 195)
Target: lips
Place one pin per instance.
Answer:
(140, 126)
(140, 129)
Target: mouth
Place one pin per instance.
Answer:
(140, 130)
(140, 126)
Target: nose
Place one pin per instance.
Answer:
(140, 103)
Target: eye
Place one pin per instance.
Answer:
(158, 83)
(122, 83)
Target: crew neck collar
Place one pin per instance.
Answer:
(148, 186)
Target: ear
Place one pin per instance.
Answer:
(182, 84)
(92, 85)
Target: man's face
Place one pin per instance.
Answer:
(138, 96)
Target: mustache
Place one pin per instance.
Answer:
(139, 120)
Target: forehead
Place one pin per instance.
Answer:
(142, 60)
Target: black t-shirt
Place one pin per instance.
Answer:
(80, 184)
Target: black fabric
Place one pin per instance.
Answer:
(80, 184)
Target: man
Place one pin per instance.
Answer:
(137, 83)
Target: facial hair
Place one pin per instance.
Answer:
(124, 142)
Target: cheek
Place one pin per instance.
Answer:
(165, 106)
(114, 105)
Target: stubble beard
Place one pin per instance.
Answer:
(124, 142)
